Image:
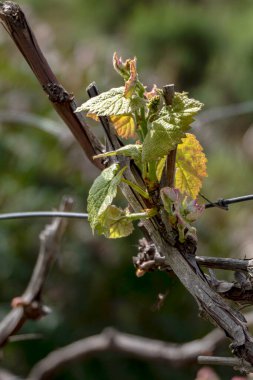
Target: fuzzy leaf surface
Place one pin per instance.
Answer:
(102, 193)
(109, 103)
(190, 166)
(170, 127)
(160, 140)
(182, 110)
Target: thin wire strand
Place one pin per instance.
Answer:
(223, 203)
(43, 214)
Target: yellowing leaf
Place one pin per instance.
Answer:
(92, 116)
(159, 168)
(124, 125)
(190, 166)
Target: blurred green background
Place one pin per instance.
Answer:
(204, 47)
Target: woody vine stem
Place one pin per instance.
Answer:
(158, 125)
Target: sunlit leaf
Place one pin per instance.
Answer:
(124, 125)
(160, 140)
(102, 193)
(159, 168)
(170, 127)
(182, 110)
(190, 166)
(115, 225)
(112, 102)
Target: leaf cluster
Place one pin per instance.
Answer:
(157, 129)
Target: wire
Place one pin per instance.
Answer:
(223, 203)
(43, 214)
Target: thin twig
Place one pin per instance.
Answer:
(168, 175)
(149, 259)
(29, 306)
(236, 363)
(132, 345)
(226, 263)
(209, 262)
(43, 214)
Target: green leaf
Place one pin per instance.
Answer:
(110, 103)
(182, 110)
(190, 166)
(131, 150)
(115, 224)
(167, 131)
(102, 193)
(160, 140)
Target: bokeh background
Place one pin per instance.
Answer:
(204, 47)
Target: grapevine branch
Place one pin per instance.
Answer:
(15, 23)
(111, 340)
(241, 365)
(181, 259)
(134, 346)
(179, 256)
(29, 305)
